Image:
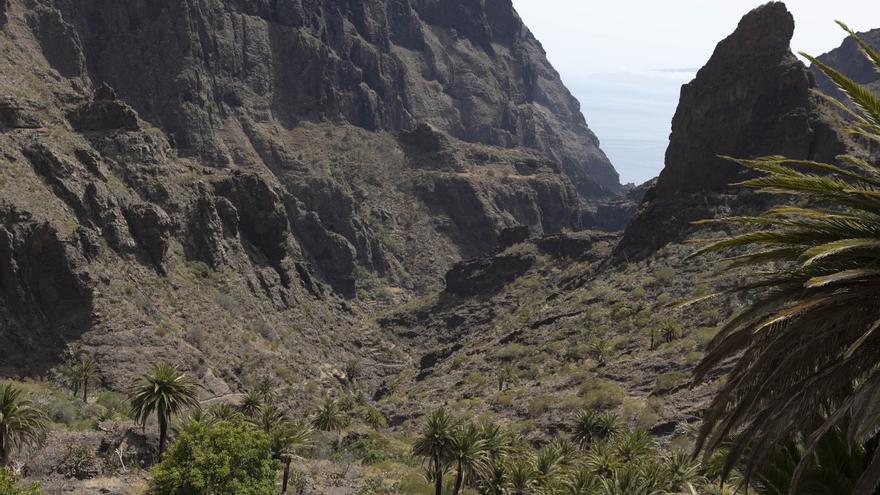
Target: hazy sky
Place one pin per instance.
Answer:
(594, 44)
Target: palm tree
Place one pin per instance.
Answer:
(79, 374)
(286, 440)
(495, 478)
(21, 423)
(331, 418)
(69, 375)
(223, 412)
(580, 482)
(469, 452)
(267, 389)
(602, 459)
(436, 443)
(601, 349)
(834, 466)
(590, 427)
(683, 472)
(268, 417)
(506, 374)
(523, 476)
(634, 446)
(165, 391)
(809, 339)
(548, 467)
(670, 330)
(352, 371)
(499, 442)
(251, 403)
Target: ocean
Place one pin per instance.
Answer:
(632, 114)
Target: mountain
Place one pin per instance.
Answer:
(752, 98)
(218, 180)
(379, 201)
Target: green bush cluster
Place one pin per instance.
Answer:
(223, 457)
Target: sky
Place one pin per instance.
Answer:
(625, 60)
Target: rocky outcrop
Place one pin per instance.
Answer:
(486, 275)
(512, 236)
(262, 218)
(849, 59)
(46, 297)
(751, 99)
(16, 113)
(103, 113)
(59, 41)
(151, 228)
(471, 69)
(573, 245)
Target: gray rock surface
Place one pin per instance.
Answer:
(469, 68)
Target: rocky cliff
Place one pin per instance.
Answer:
(752, 98)
(237, 185)
(210, 71)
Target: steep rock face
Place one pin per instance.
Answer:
(471, 68)
(850, 60)
(486, 275)
(46, 296)
(751, 99)
(253, 266)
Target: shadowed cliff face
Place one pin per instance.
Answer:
(200, 68)
(752, 98)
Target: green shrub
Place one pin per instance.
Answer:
(72, 413)
(115, 403)
(503, 399)
(511, 351)
(601, 394)
(373, 417)
(538, 405)
(9, 484)
(222, 458)
(665, 275)
(200, 271)
(668, 381)
(368, 451)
